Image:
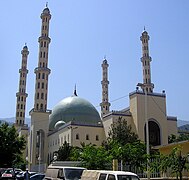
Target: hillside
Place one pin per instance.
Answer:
(11, 120)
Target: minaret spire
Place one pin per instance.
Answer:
(42, 71)
(22, 95)
(146, 59)
(75, 91)
(105, 105)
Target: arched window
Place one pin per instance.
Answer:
(77, 136)
(97, 138)
(154, 133)
(41, 106)
(87, 137)
(42, 95)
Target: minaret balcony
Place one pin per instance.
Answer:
(105, 82)
(21, 94)
(46, 38)
(42, 69)
(105, 103)
(146, 58)
(23, 70)
(40, 110)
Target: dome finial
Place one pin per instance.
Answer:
(75, 93)
(144, 28)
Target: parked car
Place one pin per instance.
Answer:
(63, 172)
(10, 173)
(22, 175)
(2, 170)
(37, 176)
(108, 175)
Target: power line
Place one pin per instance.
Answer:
(115, 99)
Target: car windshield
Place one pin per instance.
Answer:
(8, 171)
(72, 173)
(127, 177)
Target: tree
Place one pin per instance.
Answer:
(182, 137)
(11, 146)
(123, 144)
(175, 162)
(178, 162)
(122, 133)
(64, 152)
(93, 157)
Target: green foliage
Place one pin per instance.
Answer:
(11, 146)
(122, 133)
(123, 144)
(64, 152)
(93, 157)
(178, 161)
(175, 162)
(182, 137)
(75, 154)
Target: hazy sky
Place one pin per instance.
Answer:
(82, 32)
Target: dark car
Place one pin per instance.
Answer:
(22, 175)
(37, 176)
(2, 170)
(10, 173)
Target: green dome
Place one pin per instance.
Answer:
(75, 109)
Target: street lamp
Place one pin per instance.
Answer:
(54, 157)
(40, 148)
(39, 159)
(120, 152)
(26, 162)
(143, 86)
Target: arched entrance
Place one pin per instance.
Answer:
(154, 133)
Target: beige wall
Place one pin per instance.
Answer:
(172, 127)
(112, 118)
(156, 111)
(39, 121)
(69, 134)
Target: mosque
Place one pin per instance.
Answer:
(75, 119)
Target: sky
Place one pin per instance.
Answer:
(82, 33)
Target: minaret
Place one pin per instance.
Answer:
(39, 114)
(105, 105)
(146, 59)
(42, 71)
(22, 95)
